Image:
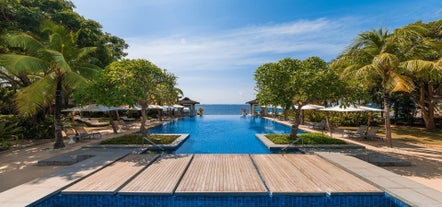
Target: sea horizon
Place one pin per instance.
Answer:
(223, 109)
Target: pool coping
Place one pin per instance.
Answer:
(278, 147)
(404, 189)
(172, 146)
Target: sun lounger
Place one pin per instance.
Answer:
(125, 118)
(359, 133)
(82, 133)
(371, 133)
(319, 125)
(96, 123)
(125, 125)
(70, 134)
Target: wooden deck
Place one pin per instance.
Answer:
(282, 177)
(160, 178)
(221, 174)
(112, 177)
(308, 174)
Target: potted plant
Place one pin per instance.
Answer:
(200, 111)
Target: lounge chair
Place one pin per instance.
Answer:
(96, 123)
(319, 125)
(359, 133)
(125, 118)
(82, 133)
(371, 133)
(125, 125)
(70, 134)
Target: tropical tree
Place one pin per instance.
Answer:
(428, 77)
(420, 45)
(273, 83)
(128, 82)
(371, 59)
(50, 65)
(297, 83)
(26, 15)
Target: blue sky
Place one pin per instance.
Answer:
(215, 46)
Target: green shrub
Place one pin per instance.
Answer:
(348, 118)
(10, 132)
(137, 139)
(13, 127)
(308, 138)
(313, 115)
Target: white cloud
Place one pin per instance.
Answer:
(250, 46)
(196, 58)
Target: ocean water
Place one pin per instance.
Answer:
(223, 109)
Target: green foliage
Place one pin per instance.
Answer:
(293, 83)
(313, 115)
(6, 99)
(26, 16)
(10, 132)
(124, 82)
(308, 138)
(349, 119)
(137, 139)
(14, 127)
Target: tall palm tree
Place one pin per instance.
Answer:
(372, 57)
(421, 45)
(428, 77)
(52, 65)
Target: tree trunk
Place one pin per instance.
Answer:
(143, 129)
(427, 111)
(295, 126)
(388, 140)
(57, 117)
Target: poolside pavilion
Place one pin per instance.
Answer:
(253, 103)
(187, 102)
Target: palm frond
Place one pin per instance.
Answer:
(386, 61)
(59, 60)
(25, 41)
(73, 80)
(86, 70)
(56, 42)
(83, 52)
(17, 64)
(423, 70)
(39, 94)
(397, 82)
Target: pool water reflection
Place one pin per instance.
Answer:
(222, 134)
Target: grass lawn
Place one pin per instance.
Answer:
(412, 134)
(309, 138)
(137, 139)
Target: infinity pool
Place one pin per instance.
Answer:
(222, 134)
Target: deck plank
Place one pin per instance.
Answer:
(282, 177)
(329, 177)
(213, 174)
(161, 177)
(112, 177)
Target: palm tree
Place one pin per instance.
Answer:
(372, 57)
(428, 77)
(421, 46)
(51, 65)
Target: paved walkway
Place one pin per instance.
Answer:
(19, 167)
(426, 161)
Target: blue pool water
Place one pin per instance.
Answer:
(221, 201)
(222, 134)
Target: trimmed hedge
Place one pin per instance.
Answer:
(137, 139)
(309, 138)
